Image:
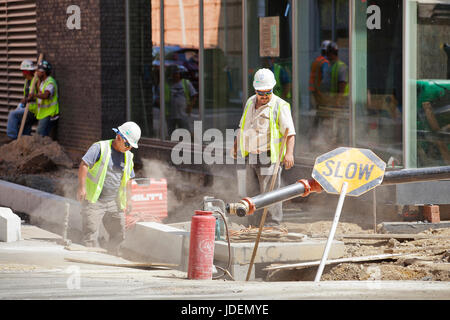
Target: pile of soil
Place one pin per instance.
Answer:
(39, 163)
(33, 154)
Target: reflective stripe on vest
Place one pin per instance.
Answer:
(96, 175)
(276, 136)
(48, 107)
(315, 77)
(335, 78)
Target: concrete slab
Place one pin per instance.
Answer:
(156, 242)
(269, 252)
(272, 252)
(10, 226)
(411, 227)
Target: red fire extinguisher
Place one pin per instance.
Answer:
(201, 246)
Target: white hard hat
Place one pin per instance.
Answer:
(131, 132)
(27, 65)
(264, 80)
(325, 45)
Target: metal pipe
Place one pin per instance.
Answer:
(248, 205)
(416, 175)
(302, 188)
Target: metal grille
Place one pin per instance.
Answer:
(17, 42)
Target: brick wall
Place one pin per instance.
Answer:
(89, 66)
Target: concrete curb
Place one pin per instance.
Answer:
(45, 210)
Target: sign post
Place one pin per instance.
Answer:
(345, 171)
(332, 231)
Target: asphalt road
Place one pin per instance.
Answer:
(35, 268)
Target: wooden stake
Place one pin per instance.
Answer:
(263, 218)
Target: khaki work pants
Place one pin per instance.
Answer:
(113, 219)
(258, 177)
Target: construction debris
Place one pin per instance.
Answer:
(268, 234)
(368, 256)
(334, 261)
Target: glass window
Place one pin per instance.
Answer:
(142, 71)
(322, 122)
(181, 43)
(270, 43)
(429, 95)
(377, 78)
(222, 64)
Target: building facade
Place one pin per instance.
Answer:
(119, 62)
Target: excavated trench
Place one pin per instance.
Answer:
(41, 163)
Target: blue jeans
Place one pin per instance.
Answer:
(15, 119)
(45, 126)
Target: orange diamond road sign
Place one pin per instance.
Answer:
(361, 168)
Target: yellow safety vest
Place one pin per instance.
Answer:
(96, 175)
(48, 107)
(276, 136)
(335, 79)
(278, 90)
(32, 105)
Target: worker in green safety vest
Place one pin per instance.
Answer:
(263, 124)
(283, 86)
(47, 99)
(180, 97)
(104, 179)
(339, 86)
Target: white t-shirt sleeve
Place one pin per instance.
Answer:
(285, 120)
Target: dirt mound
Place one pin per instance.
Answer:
(32, 154)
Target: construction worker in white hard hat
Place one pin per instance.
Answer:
(104, 177)
(262, 127)
(28, 69)
(319, 75)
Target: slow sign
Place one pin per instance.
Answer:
(361, 168)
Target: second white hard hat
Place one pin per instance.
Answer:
(131, 131)
(27, 65)
(264, 80)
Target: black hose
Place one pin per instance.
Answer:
(225, 271)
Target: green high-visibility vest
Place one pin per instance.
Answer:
(276, 136)
(48, 107)
(96, 175)
(32, 105)
(335, 80)
(278, 90)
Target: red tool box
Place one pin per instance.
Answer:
(148, 201)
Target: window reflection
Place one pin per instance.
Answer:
(433, 84)
(222, 64)
(323, 51)
(378, 80)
